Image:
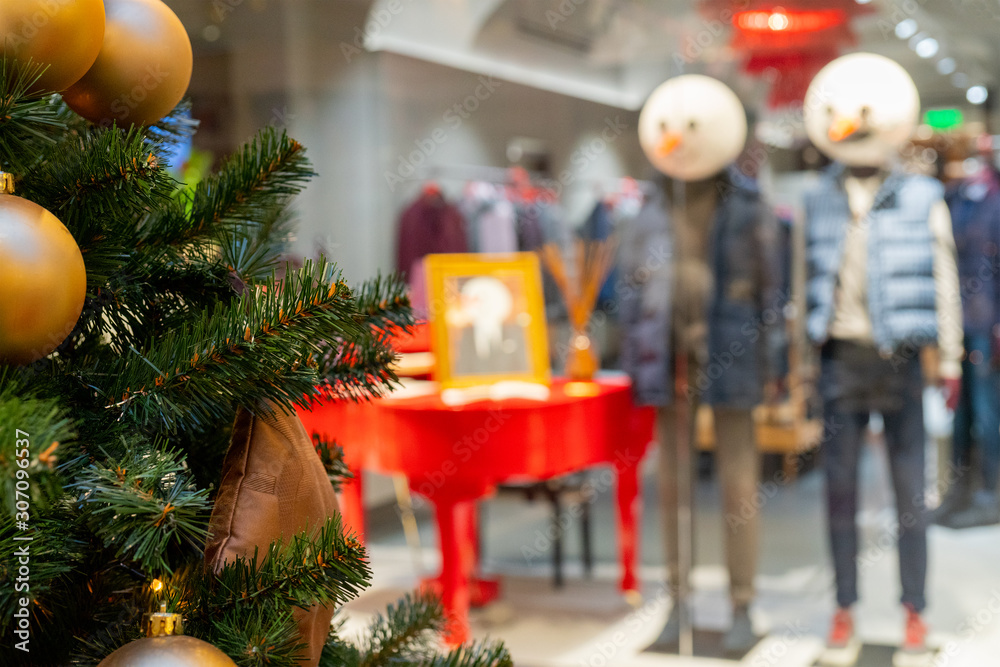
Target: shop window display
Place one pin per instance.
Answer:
(723, 275)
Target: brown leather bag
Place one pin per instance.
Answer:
(273, 486)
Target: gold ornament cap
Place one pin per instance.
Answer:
(6, 183)
(162, 624)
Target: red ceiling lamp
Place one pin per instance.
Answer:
(780, 20)
(790, 42)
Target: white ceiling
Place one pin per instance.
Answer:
(615, 51)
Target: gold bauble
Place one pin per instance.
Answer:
(66, 35)
(43, 281)
(143, 69)
(173, 651)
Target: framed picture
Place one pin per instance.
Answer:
(487, 318)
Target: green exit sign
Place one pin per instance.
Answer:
(943, 119)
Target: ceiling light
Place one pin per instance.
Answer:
(976, 94)
(946, 66)
(916, 39)
(906, 28)
(927, 48)
(780, 20)
(862, 2)
(777, 21)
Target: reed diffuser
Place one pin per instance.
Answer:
(593, 261)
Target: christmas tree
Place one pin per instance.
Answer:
(112, 443)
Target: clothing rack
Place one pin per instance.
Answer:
(502, 175)
(469, 172)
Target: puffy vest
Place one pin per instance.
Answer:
(901, 291)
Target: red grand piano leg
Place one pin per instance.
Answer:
(456, 521)
(628, 516)
(352, 507)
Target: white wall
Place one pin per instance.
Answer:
(366, 118)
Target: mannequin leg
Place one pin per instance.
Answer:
(904, 435)
(739, 473)
(842, 444)
(738, 462)
(666, 419)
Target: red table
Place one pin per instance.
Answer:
(456, 455)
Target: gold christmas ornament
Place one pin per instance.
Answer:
(165, 646)
(43, 280)
(143, 69)
(66, 35)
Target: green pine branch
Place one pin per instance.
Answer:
(259, 346)
(385, 302)
(57, 548)
(249, 185)
(176, 127)
(361, 367)
(150, 295)
(407, 635)
(357, 370)
(404, 632)
(481, 654)
(100, 185)
(328, 568)
(252, 252)
(29, 122)
(332, 457)
(142, 505)
(40, 428)
(254, 636)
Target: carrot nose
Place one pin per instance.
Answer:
(843, 127)
(668, 143)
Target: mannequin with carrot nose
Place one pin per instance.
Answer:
(882, 284)
(701, 301)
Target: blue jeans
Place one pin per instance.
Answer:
(978, 411)
(854, 381)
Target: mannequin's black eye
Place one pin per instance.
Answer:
(663, 126)
(692, 124)
(829, 110)
(865, 111)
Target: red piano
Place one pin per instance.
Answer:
(455, 455)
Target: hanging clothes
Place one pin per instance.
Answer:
(428, 225)
(599, 226)
(975, 218)
(491, 219)
(609, 215)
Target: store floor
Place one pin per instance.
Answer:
(588, 623)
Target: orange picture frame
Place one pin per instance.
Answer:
(487, 319)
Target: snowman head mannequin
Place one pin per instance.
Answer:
(860, 110)
(692, 127)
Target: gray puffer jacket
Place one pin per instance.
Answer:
(746, 329)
